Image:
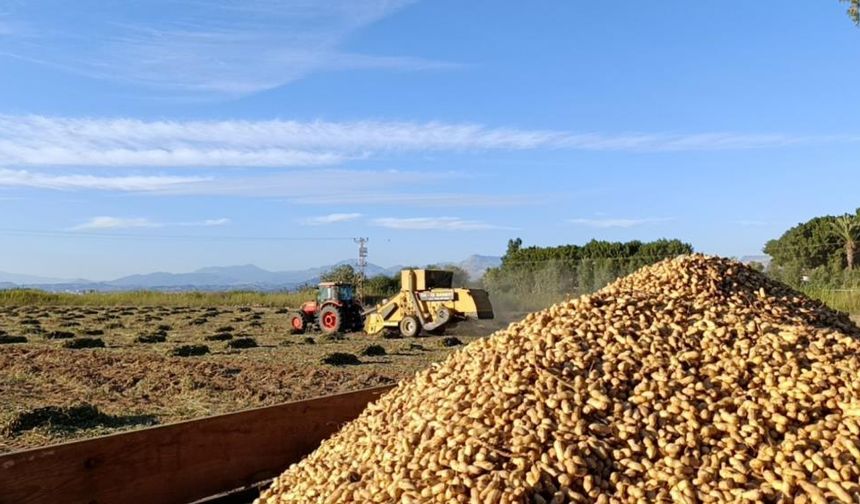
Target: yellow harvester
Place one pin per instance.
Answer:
(427, 302)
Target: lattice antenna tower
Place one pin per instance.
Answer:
(362, 267)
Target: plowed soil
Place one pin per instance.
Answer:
(133, 384)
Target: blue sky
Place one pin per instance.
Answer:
(149, 135)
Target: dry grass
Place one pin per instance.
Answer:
(137, 381)
(30, 297)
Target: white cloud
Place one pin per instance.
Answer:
(318, 187)
(106, 222)
(330, 219)
(56, 141)
(218, 47)
(214, 222)
(605, 223)
(434, 223)
(421, 200)
(329, 184)
(132, 183)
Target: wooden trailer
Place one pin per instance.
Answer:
(199, 460)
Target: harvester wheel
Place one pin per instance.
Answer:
(297, 323)
(409, 327)
(330, 320)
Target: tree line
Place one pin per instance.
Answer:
(533, 277)
(821, 252)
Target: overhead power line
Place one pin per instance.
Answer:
(111, 235)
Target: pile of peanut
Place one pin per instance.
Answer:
(692, 380)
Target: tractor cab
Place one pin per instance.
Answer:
(338, 292)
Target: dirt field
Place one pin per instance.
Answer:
(51, 393)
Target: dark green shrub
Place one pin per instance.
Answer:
(59, 335)
(242, 343)
(79, 343)
(218, 337)
(151, 338)
(189, 350)
(373, 350)
(341, 359)
(450, 341)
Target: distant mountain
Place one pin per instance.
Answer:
(246, 276)
(477, 265)
(762, 259)
(213, 278)
(15, 278)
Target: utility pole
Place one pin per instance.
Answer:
(362, 266)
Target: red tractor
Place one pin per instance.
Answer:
(334, 310)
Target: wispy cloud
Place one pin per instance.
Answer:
(56, 141)
(333, 218)
(223, 221)
(107, 223)
(130, 183)
(218, 47)
(441, 199)
(604, 223)
(434, 223)
(320, 186)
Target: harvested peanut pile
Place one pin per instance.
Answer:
(693, 380)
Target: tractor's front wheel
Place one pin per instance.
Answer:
(297, 323)
(330, 320)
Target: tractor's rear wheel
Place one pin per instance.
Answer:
(409, 327)
(297, 323)
(330, 320)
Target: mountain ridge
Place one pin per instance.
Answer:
(236, 277)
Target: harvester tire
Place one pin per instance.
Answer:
(409, 327)
(297, 323)
(330, 320)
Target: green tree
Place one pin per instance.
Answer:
(756, 266)
(382, 286)
(806, 246)
(846, 228)
(853, 10)
(531, 277)
(461, 276)
(343, 274)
